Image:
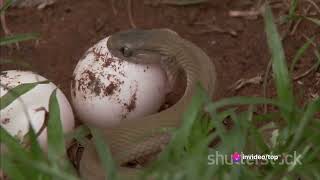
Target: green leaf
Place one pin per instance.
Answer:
(104, 154)
(281, 74)
(16, 92)
(6, 5)
(17, 38)
(56, 143)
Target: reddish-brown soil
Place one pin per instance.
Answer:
(69, 27)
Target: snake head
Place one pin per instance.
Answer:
(139, 46)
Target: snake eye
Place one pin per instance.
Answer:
(126, 52)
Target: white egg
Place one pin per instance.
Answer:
(35, 102)
(107, 90)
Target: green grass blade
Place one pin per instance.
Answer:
(236, 139)
(104, 154)
(314, 20)
(241, 100)
(300, 52)
(191, 115)
(294, 164)
(25, 169)
(16, 92)
(43, 168)
(268, 116)
(312, 108)
(5, 6)
(10, 168)
(181, 139)
(256, 136)
(217, 122)
(293, 8)
(183, 148)
(15, 151)
(17, 38)
(312, 156)
(56, 143)
(12, 144)
(281, 74)
(79, 134)
(317, 54)
(35, 149)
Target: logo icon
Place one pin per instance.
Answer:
(236, 157)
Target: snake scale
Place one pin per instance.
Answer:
(137, 138)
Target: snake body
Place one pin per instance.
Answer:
(139, 137)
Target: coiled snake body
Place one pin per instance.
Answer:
(137, 138)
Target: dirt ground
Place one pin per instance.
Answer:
(236, 45)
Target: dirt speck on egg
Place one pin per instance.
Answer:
(132, 105)
(110, 89)
(4, 74)
(98, 54)
(107, 62)
(5, 121)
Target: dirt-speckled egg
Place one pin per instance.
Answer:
(107, 90)
(14, 118)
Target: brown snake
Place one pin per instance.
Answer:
(139, 137)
